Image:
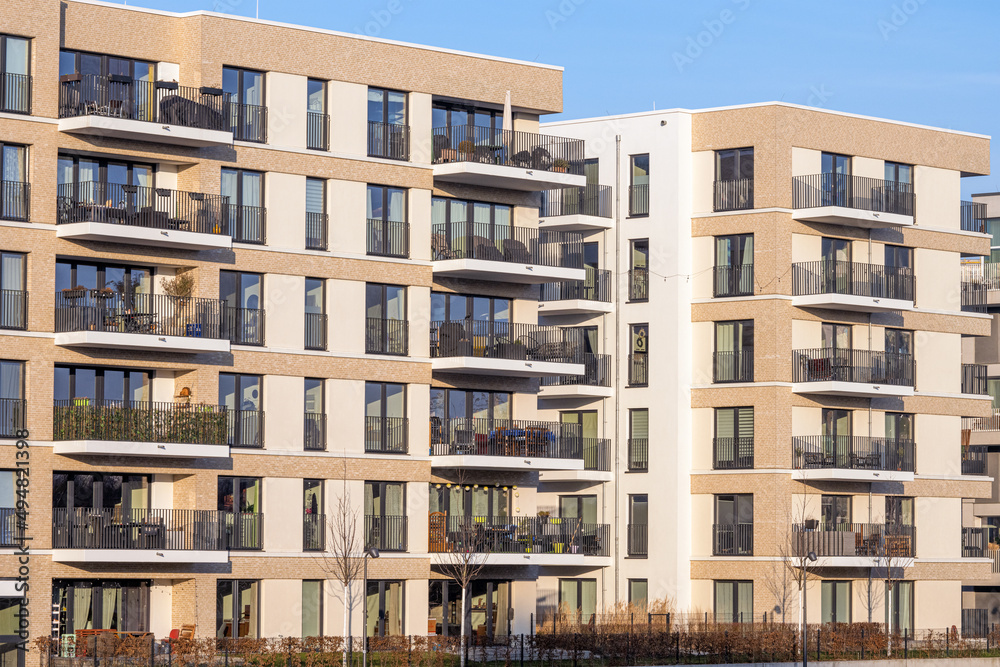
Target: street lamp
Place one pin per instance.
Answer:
(369, 553)
(811, 556)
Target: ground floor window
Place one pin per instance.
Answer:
(899, 606)
(385, 608)
(578, 597)
(102, 605)
(489, 608)
(638, 592)
(836, 597)
(10, 656)
(312, 608)
(734, 601)
(237, 608)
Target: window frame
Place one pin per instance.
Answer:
(738, 157)
(99, 372)
(105, 60)
(235, 610)
(240, 71)
(385, 105)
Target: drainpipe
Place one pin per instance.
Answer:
(618, 409)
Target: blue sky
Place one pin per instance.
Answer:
(922, 61)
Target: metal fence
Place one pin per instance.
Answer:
(732, 453)
(974, 461)
(13, 416)
(733, 280)
(517, 535)
(595, 287)
(315, 331)
(317, 131)
(15, 201)
(386, 435)
(139, 421)
(973, 217)
(388, 238)
(313, 532)
(506, 243)
(505, 437)
(593, 200)
(733, 366)
(387, 336)
(853, 452)
(506, 340)
(847, 365)
(15, 93)
(314, 431)
(248, 224)
(316, 231)
(246, 429)
(638, 539)
(638, 200)
(243, 326)
(388, 140)
(881, 541)
(974, 379)
(248, 122)
(732, 539)
(386, 533)
(638, 454)
(596, 373)
(849, 191)
(154, 314)
(733, 195)
(13, 309)
(472, 143)
(852, 278)
(155, 529)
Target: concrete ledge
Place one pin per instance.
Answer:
(508, 272)
(519, 463)
(508, 367)
(132, 448)
(853, 217)
(506, 177)
(835, 388)
(564, 559)
(126, 556)
(573, 307)
(140, 130)
(575, 476)
(574, 391)
(863, 304)
(850, 475)
(164, 238)
(575, 223)
(139, 341)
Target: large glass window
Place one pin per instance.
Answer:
(836, 601)
(489, 603)
(734, 164)
(312, 608)
(734, 601)
(385, 302)
(240, 498)
(82, 385)
(243, 319)
(114, 183)
(237, 610)
(316, 96)
(835, 510)
(733, 445)
(385, 608)
(899, 511)
(446, 307)
(733, 351)
(638, 439)
(579, 597)
(386, 106)
(478, 500)
(15, 70)
(100, 491)
(245, 190)
(314, 437)
(638, 198)
(246, 86)
(449, 404)
(899, 606)
(638, 592)
(241, 394)
(470, 229)
(316, 217)
(583, 508)
(898, 341)
(79, 62)
(121, 605)
(313, 515)
(896, 172)
(14, 199)
(734, 265)
(315, 314)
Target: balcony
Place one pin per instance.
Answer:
(578, 297)
(733, 366)
(388, 238)
(974, 460)
(732, 453)
(638, 540)
(578, 209)
(15, 93)
(317, 131)
(15, 201)
(846, 372)
(856, 544)
(852, 286)
(847, 458)
(96, 211)
(104, 318)
(248, 224)
(595, 382)
(482, 251)
(386, 533)
(11, 529)
(13, 309)
(973, 217)
(386, 435)
(314, 432)
(521, 540)
(85, 535)
(387, 336)
(316, 231)
(975, 542)
(506, 159)
(245, 429)
(730, 281)
(316, 327)
(856, 201)
(313, 532)
(13, 416)
(732, 539)
(248, 122)
(139, 428)
(974, 379)
(638, 284)
(243, 326)
(596, 464)
(732, 195)
(638, 454)
(388, 141)
(505, 444)
(505, 348)
(638, 369)
(161, 111)
(638, 200)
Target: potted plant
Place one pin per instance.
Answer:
(512, 350)
(74, 293)
(102, 293)
(166, 85)
(180, 287)
(560, 165)
(211, 90)
(466, 149)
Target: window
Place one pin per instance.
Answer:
(836, 336)
(388, 134)
(316, 216)
(112, 182)
(314, 436)
(638, 440)
(95, 64)
(466, 132)
(898, 257)
(240, 497)
(385, 516)
(899, 511)
(101, 604)
(313, 515)
(247, 215)
(386, 106)
(734, 601)
(241, 394)
(733, 265)
(899, 606)
(595, 455)
(638, 525)
(837, 432)
(733, 351)
(317, 122)
(480, 501)
(461, 404)
(385, 417)
(388, 231)
(638, 191)
(638, 592)
(898, 341)
(237, 610)
(476, 230)
(993, 229)
(248, 116)
(898, 428)
(489, 607)
(638, 289)
(97, 491)
(836, 180)
(117, 387)
(312, 608)
(579, 507)
(733, 443)
(835, 510)
(733, 525)
(836, 606)
(13, 296)
(15, 70)
(315, 314)
(12, 609)
(459, 307)
(123, 280)
(638, 368)
(11, 530)
(316, 96)
(386, 326)
(385, 608)
(14, 189)
(733, 179)
(12, 405)
(896, 172)
(580, 598)
(243, 317)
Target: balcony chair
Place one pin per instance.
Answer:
(483, 248)
(453, 340)
(440, 248)
(515, 251)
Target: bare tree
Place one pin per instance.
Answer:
(781, 580)
(893, 553)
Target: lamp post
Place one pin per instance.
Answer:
(369, 553)
(811, 556)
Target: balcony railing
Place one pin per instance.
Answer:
(313, 532)
(974, 460)
(506, 243)
(991, 423)
(638, 540)
(155, 529)
(596, 373)
(11, 529)
(153, 314)
(388, 238)
(13, 416)
(638, 369)
(249, 122)
(164, 103)
(733, 281)
(506, 437)
(638, 284)
(597, 454)
(593, 200)
(13, 309)
(884, 542)
(853, 452)
(510, 148)
(386, 435)
(518, 535)
(732, 453)
(135, 206)
(852, 278)
(732, 539)
(973, 217)
(638, 200)
(248, 224)
(974, 379)
(734, 195)
(975, 542)
(315, 331)
(386, 533)
(246, 429)
(849, 191)
(15, 201)
(243, 326)
(388, 140)
(506, 340)
(15, 93)
(845, 365)
(638, 454)
(314, 431)
(733, 366)
(387, 336)
(974, 295)
(316, 231)
(317, 131)
(595, 287)
(139, 421)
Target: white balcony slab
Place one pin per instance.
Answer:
(507, 272)
(575, 476)
(148, 449)
(506, 177)
(835, 388)
(573, 307)
(850, 302)
(861, 561)
(520, 463)
(128, 556)
(509, 367)
(574, 391)
(165, 238)
(140, 130)
(9, 588)
(140, 341)
(850, 475)
(853, 217)
(577, 222)
(564, 559)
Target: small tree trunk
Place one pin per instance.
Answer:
(348, 603)
(462, 649)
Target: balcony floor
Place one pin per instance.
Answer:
(141, 341)
(565, 559)
(506, 177)
(140, 130)
(849, 302)
(852, 475)
(577, 222)
(512, 463)
(861, 561)
(132, 448)
(575, 476)
(835, 388)
(582, 391)
(163, 238)
(507, 272)
(574, 307)
(852, 217)
(128, 556)
(506, 367)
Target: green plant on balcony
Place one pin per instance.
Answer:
(466, 148)
(560, 165)
(198, 424)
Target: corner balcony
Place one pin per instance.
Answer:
(520, 540)
(855, 201)
(504, 348)
(972, 217)
(844, 372)
(578, 297)
(104, 318)
(506, 159)
(852, 286)
(122, 537)
(595, 382)
(596, 465)
(581, 209)
(504, 253)
(856, 544)
(846, 458)
(161, 111)
(505, 444)
(113, 213)
(83, 426)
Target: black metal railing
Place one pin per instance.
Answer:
(506, 437)
(974, 460)
(506, 243)
(314, 431)
(596, 373)
(638, 540)
(975, 542)
(386, 533)
(734, 195)
(518, 535)
(155, 529)
(732, 453)
(732, 539)
(506, 340)
(882, 541)
(973, 217)
(153, 314)
(733, 280)
(15, 93)
(15, 201)
(11, 528)
(638, 200)
(246, 429)
(846, 365)
(387, 336)
(976, 623)
(248, 224)
(13, 416)
(139, 421)
(638, 369)
(243, 326)
(316, 231)
(853, 452)
(13, 309)
(638, 454)
(595, 287)
(135, 206)
(249, 122)
(510, 148)
(313, 532)
(388, 238)
(733, 366)
(159, 102)
(974, 295)
(849, 191)
(387, 435)
(388, 140)
(315, 324)
(852, 278)
(974, 379)
(593, 200)
(638, 284)
(597, 454)
(317, 131)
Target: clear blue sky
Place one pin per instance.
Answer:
(923, 61)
